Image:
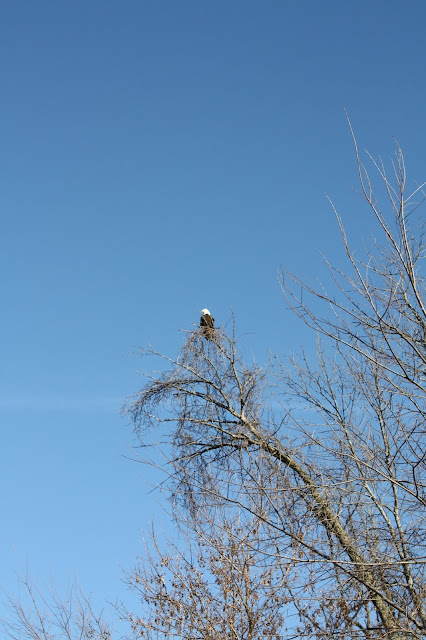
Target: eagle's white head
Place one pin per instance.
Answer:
(205, 312)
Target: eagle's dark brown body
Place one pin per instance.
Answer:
(207, 324)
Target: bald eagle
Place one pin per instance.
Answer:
(207, 324)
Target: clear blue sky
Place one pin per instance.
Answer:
(157, 158)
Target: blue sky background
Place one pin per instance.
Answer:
(157, 158)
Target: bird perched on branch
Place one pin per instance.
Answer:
(207, 324)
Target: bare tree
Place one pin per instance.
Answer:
(299, 490)
(43, 614)
(211, 586)
(335, 476)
